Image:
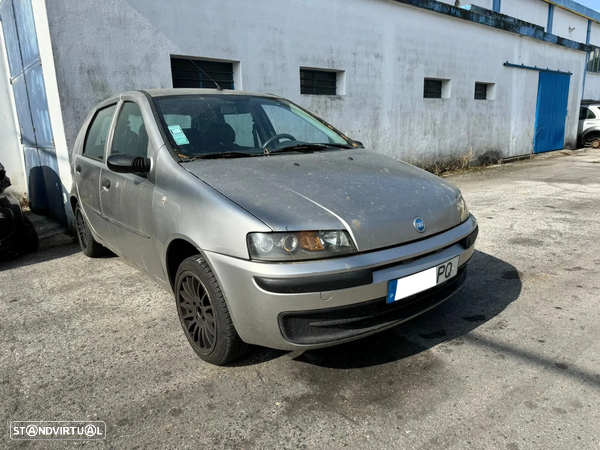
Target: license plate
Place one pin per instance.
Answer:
(419, 282)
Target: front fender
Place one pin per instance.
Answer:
(187, 207)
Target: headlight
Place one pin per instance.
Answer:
(463, 210)
(299, 246)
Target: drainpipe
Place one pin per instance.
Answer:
(550, 18)
(587, 57)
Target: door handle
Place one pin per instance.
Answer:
(78, 168)
(105, 184)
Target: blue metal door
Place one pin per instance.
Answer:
(20, 38)
(553, 97)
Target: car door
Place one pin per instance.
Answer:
(126, 198)
(88, 165)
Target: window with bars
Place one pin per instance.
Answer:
(318, 82)
(594, 61)
(481, 91)
(433, 88)
(199, 73)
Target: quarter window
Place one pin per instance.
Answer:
(95, 140)
(131, 137)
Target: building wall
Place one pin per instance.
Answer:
(54, 105)
(123, 45)
(488, 4)
(592, 81)
(564, 20)
(11, 155)
(592, 86)
(595, 34)
(532, 11)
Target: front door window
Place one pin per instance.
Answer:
(131, 137)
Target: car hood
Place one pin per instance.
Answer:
(374, 197)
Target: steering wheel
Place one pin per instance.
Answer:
(278, 137)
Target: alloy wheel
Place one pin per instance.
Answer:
(197, 313)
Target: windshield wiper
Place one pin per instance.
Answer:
(220, 156)
(333, 144)
(299, 148)
(306, 147)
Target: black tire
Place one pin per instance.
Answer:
(31, 238)
(592, 140)
(88, 244)
(203, 313)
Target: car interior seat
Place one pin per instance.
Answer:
(220, 136)
(141, 145)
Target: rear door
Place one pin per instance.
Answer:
(88, 166)
(126, 198)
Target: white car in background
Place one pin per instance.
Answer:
(588, 132)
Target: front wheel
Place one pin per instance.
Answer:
(204, 315)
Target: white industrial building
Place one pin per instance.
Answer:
(423, 81)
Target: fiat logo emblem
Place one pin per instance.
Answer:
(419, 224)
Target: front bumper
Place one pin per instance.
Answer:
(305, 305)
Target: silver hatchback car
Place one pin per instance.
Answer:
(268, 225)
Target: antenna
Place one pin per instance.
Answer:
(207, 75)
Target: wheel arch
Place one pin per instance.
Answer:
(178, 250)
(590, 131)
(73, 200)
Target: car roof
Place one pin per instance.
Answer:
(179, 92)
(588, 102)
(185, 91)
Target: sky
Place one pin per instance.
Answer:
(593, 4)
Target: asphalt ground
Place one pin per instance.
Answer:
(512, 361)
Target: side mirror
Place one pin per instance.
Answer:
(357, 144)
(128, 164)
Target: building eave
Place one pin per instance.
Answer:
(576, 8)
(496, 20)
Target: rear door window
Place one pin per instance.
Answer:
(586, 114)
(95, 141)
(590, 114)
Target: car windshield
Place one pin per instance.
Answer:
(241, 125)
